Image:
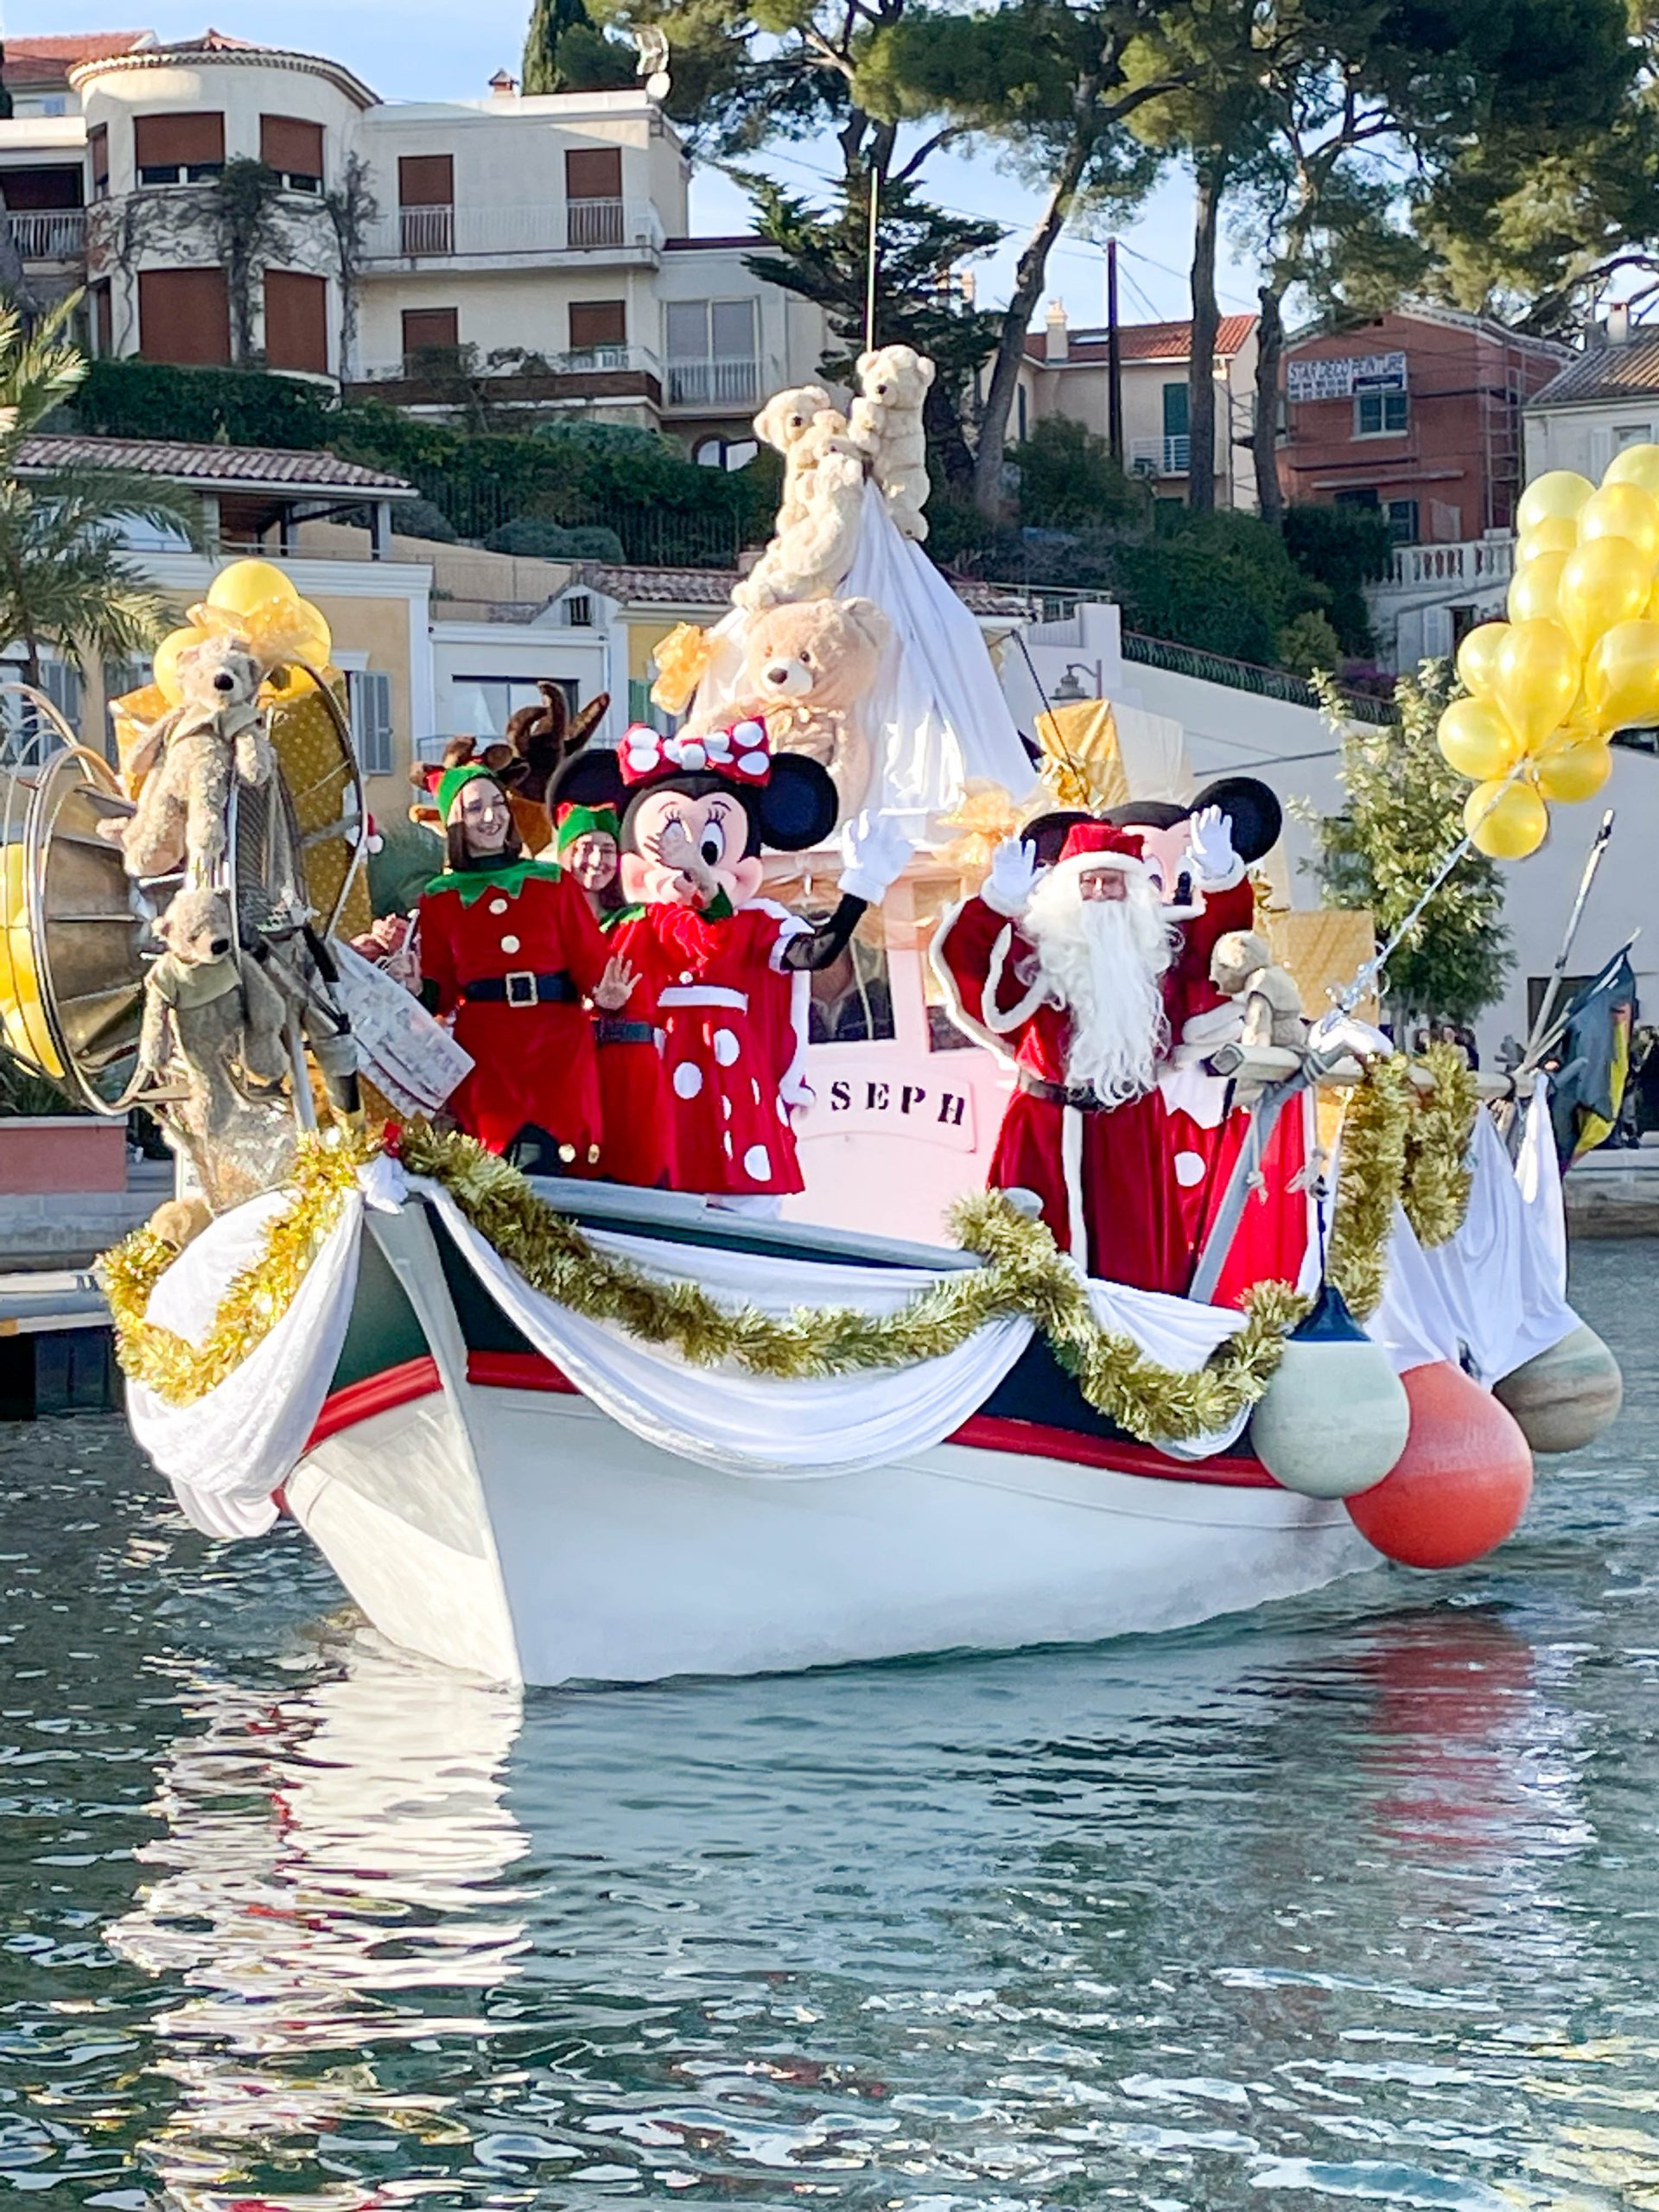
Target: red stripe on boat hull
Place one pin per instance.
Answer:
(529, 1370)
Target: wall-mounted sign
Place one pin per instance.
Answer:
(1340, 378)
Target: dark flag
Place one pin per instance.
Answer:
(1590, 1062)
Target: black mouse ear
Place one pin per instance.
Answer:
(1048, 833)
(588, 779)
(799, 803)
(1253, 810)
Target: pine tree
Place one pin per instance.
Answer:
(1404, 816)
(564, 52)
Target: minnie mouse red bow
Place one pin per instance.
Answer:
(742, 753)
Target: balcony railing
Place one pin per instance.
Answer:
(1166, 456)
(440, 367)
(1474, 565)
(574, 226)
(49, 234)
(714, 383)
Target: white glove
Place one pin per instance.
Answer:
(1014, 875)
(874, 851)
(1210, 842)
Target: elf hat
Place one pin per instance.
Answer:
(572, 820)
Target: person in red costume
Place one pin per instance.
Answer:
(1094, 976)
(639, 1145)
(721, 961)
(510, 948)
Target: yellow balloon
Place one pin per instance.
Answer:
(1477, 655)
(1556, 534)
(1636, 465)
(1621, 510)
(1604, 582)
(1477, 740)
(22, 1022)
(1621, 677)
(166, 662)
(1535, 679)
(1535, 591)
(313, 645)
(247, 584)
(1506, 822)
(1571, 772)
(1560, 494)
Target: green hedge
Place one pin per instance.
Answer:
(636, 483)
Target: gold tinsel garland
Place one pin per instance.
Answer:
(175, 1369)
(1395, 1146)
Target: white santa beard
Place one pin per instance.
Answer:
(1104, 961)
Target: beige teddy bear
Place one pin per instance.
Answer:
(806, 668)
(783, 423)
(1242, 967)
(810, 557)
(212, 1015)
(886, 426)
(187, 761)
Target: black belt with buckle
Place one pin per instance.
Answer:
(608, 1030)
(1056, 1094)
(521, 986)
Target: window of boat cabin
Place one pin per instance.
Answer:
(851, 1001)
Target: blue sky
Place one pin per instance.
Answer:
(431, 49)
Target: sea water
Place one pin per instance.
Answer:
(1352, 1901)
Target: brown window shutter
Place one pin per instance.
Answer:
(427, 330)
(426, 180)
(163, 142)
(594, 173)
(184, 316)
(598, 323)
(103, 321)
(290, 145)
(98, 144)
(296, 321)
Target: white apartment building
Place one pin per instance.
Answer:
(1064, 371)
(1606, 399)
(541, 242)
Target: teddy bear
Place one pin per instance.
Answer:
(807, 665)
(212, 1014)
(1241, 968)
(811, 557)
(187, 759)
(782, 424)
(886, 427)
(179, 1222)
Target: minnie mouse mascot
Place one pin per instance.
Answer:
(720, 963)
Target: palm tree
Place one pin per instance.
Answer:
(64, 579)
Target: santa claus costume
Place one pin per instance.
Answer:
(1096, 980)
(510, 947)
(721, 963)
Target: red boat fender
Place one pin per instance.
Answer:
(1462, 1483)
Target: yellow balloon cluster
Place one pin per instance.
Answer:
(1577, 659)
(255, 602)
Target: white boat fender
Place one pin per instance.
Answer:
(1335, 1417)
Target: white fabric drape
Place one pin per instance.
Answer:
(936, 714)
(1494, 1295)
(226, 1454)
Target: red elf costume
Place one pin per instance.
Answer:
(510, 948)
(720, 961)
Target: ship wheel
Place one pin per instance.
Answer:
(72, 932)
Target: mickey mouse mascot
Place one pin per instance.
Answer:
(720, 963)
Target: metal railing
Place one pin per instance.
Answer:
(1166, 456)
(1245, 675)
(572, 226)
(49, 234)
(439, 365)
(714, 383)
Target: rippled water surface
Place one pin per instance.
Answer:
(1354, 1899)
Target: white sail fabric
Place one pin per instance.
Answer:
(1493, 1296)
(936, 714)
(226, 1454)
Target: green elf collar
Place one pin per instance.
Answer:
(470, 884)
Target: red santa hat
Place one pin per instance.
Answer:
(1089, 845)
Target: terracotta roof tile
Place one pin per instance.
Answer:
(48, 61)
(640, 587)
(1148, 341)
(1605, 372)
(208, 464)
